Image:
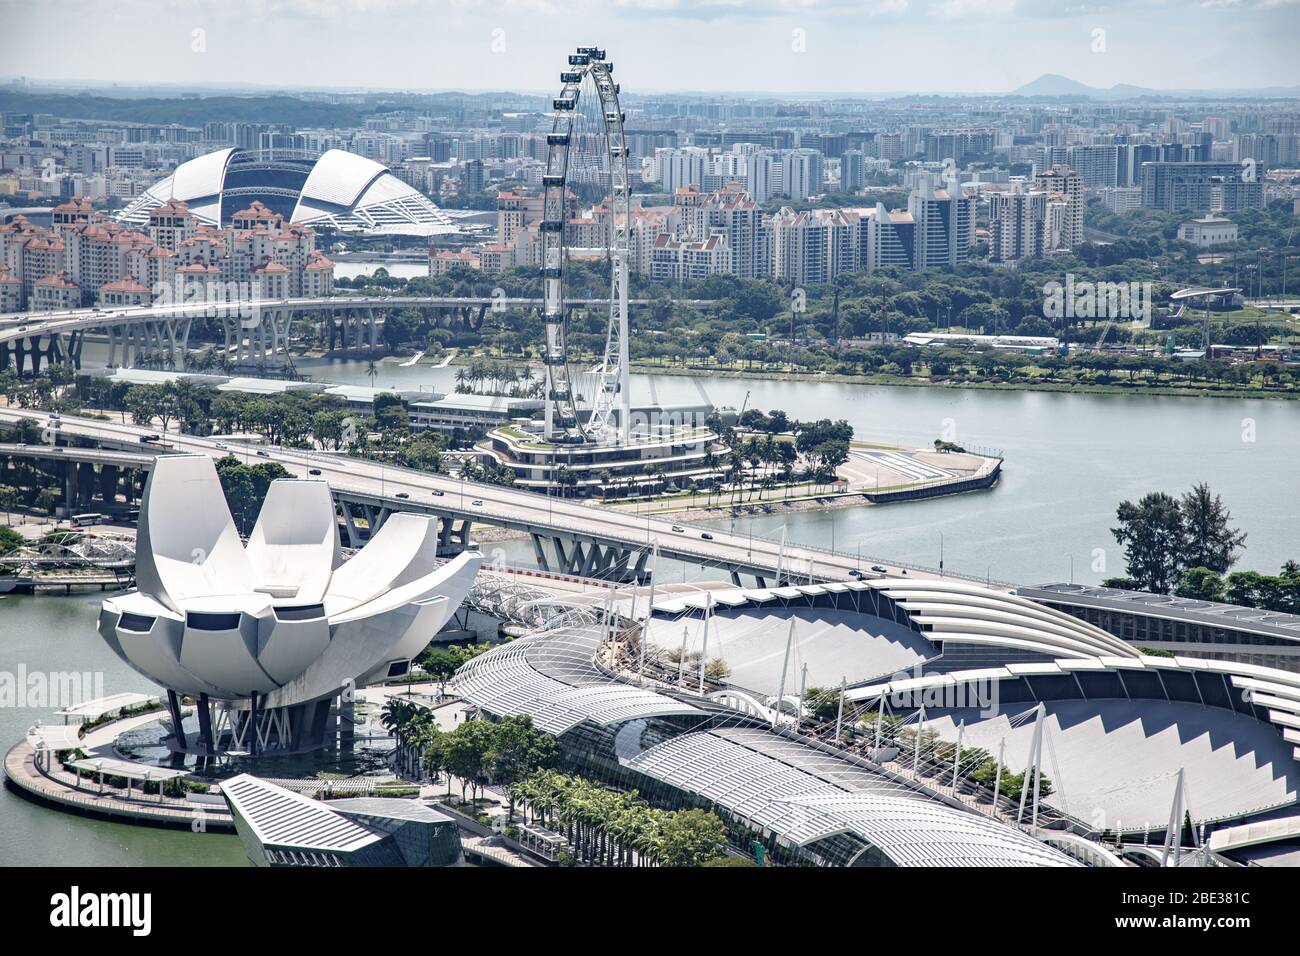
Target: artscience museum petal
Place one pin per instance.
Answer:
(268, 633)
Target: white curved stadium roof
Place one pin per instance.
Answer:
(942, 610)
(342, 191)
(802, 794)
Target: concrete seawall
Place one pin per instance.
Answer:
(23, 776)
(948, 486)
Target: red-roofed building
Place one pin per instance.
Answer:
(53, 293)
(445, 260)
(11, 291)
(124, 292)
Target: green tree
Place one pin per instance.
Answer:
(245, 488)
(692, 838)
(1210, 540)
(467, 754)
(1153, 537)
(519, 750)
(10, 540)
(1201, 583)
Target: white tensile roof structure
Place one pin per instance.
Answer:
(339, 190)
(808, 798)
(283, 617)
(1120, 723)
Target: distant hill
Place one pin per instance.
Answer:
(188, 111)
(1055, 85)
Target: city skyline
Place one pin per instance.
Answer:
(774, 47)
(478, 418)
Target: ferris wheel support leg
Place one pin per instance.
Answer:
(624, 372)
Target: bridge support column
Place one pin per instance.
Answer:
(75, 341)
(350, 531)
(281, 320)
(261, 342)
(184, 343)
(374, 518)
(540, 553)
(108, 477)
(639, 572)
(167, 331)
(71, 485)
(562, 560)
(587, 559)
(53, 349)
(85, 484)
(130, 347)
(453, 535)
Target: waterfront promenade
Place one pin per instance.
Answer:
(61, 788)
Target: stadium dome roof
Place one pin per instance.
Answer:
(337, 190)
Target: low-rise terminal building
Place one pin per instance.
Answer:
(467, 411)
(658, 458)
(280, 828)
(1167, 623)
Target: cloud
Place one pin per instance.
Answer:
(760, 9)
(982, 9)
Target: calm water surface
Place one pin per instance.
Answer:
(53, 634)
(1070, 459)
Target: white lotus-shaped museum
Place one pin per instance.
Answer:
(283, 620)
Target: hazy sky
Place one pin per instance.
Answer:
(691, 45)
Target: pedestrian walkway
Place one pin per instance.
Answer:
(60, 787)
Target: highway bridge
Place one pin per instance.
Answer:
(255, 330)
(567, 536)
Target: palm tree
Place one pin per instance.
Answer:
(372, 371)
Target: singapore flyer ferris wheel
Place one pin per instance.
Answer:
(586, 160)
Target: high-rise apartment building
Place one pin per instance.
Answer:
(853, 171)
(1199, 187)
(1097, 166)
(802, 173)
(1017, 224)
(761, 175)
(944, 225)
(1065, 182)
(682, 168)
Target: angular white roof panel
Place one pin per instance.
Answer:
(201, 177)
(294, 547)
(185, 550)
(280, 817)
(339, 177)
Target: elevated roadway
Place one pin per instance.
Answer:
(256, 330)
(568, 536)
(18, 325)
